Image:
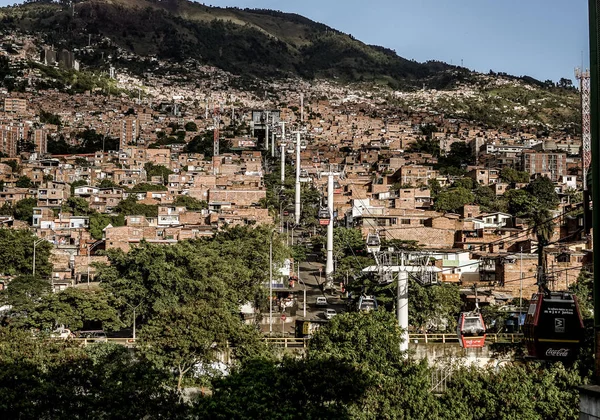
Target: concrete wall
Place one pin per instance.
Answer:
(590, 402)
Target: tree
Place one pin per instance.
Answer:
(520, 203)
(23, 293)
(453, 200)
(190, 203)
(478, 394)
(77, 206)
(191, 126)
(189, 337)
(466, 183)
(230, 267)
(460, 155)
(157, 170)
(434, 187)
(76, 309)
(24, 209)
(43, 379)
(98, 221)
(145, 187)
(368, 344)
(543, 189)
(425, 145)
(16, 253)
(82, 162)
(130, 207)
(24, 182)
(108, 183)
(510, 175)
(433, 307)
(49, 118)
(542, 225)
(485, 196)
(347, 241)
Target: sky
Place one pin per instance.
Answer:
(545, 39)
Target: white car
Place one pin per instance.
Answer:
(321, 301)
(329, 313)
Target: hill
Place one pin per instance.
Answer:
(263, 43)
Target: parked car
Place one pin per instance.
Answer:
(321, 301)
(329, 313)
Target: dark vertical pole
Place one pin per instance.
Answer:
(593, 18)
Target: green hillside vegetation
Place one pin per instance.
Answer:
(247, 42)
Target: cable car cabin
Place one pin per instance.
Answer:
(367, 303)
(337, 188)
(553, 326)
(471, 330)
(324, 216)
(373, 243)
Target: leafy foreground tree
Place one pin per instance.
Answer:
(527, 392)
(58, 379)
(190, 337)
(354, 369)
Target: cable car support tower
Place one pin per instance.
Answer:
(330, 210)
(403, 265)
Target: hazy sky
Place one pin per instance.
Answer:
(540, 38)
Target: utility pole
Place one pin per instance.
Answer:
(267, 131)
(302, 108)
(283, 152)
(303, 284)
(297, 201)
(216, 124)
(521, 286)
(271, 284)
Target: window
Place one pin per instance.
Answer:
(405, 221)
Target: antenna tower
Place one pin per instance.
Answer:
(586, 141)
(584, 84)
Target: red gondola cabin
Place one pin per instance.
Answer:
(471, 330)
(553, 326)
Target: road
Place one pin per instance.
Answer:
(315, 282)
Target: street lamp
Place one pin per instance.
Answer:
(271, 282)
(303, 284)
(35, 244)
(134, 308)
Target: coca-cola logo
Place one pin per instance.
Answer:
(557, 352)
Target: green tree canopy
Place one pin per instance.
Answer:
(433, 307)
(16, 253)
(511, 175)
(190, 203)
(191, 126)
(130, 207)
(157, 170)
(24, 209)
(544, 191)
(76, 309)
(520, 202)
(453, 200)
(24, 182)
